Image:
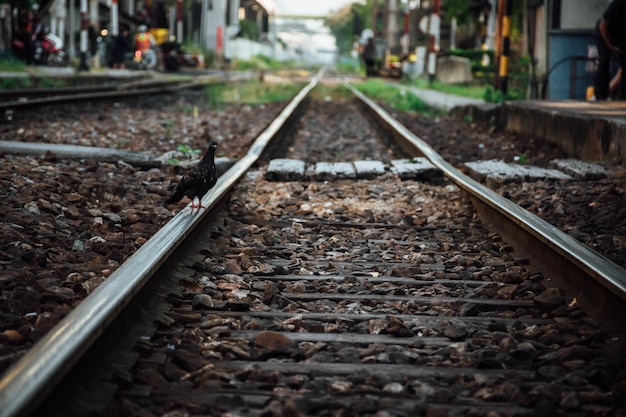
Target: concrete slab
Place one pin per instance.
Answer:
(454, 70)
(418, 168)
(284, 169)
(499, 172)
(334, 170)
(580, 169)
(369, 169)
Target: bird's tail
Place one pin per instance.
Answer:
(174, 198)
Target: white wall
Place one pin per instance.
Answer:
(581, 14)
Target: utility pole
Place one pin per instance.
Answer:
(405, 30)
(95, 26)
(391, 23)
(82, 66)
(491, 25)
(115, 25)
(179, 21)
(433, 47)
(504, 44)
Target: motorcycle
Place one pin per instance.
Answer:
(50, 50)
(174, 57)
(145, 60)
(47, 49)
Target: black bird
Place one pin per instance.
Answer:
(197, 181)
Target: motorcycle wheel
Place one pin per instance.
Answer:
(58, 60)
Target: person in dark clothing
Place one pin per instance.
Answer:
(119, 49)
(369, 56)
(610, 37)
(24, 33)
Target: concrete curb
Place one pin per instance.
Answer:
(587, 131)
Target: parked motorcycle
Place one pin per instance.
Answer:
(49, 50)
(174, 57)
(45, 49)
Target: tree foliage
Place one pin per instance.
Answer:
(20, 4)
(345, 24)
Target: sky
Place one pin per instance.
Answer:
(309, 7)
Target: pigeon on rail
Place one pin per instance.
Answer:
(197, 181)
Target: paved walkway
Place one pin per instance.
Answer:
(443, 101)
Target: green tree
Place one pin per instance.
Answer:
(249, 29)
(349, 22)
(456, 8)
(21, 4)
(340, 24)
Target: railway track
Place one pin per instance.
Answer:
(26, 98)
(319, 296)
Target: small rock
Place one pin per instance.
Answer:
(60, 294)
(393, 388)
(570, 401)
(455, 332)
(13, 336)
(273, 341)
(551, 372)
(550, 298)
(78, 246)
(202, 301)
(151, 377)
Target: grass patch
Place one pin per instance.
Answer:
(13, 83)
(482, 92)
(397, 97)
(12, 66)
(473, 91)
(258, 62)
(331, 92)
(251, 92)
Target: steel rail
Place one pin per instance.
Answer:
(94, 96)
(134, 88)
(600, 281)
(24, 385)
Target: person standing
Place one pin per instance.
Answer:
(119, 49)
(610, 37)
(24, 33)
(369, 56)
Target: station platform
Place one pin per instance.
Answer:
(589, 130)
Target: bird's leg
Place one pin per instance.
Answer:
(198, 206)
